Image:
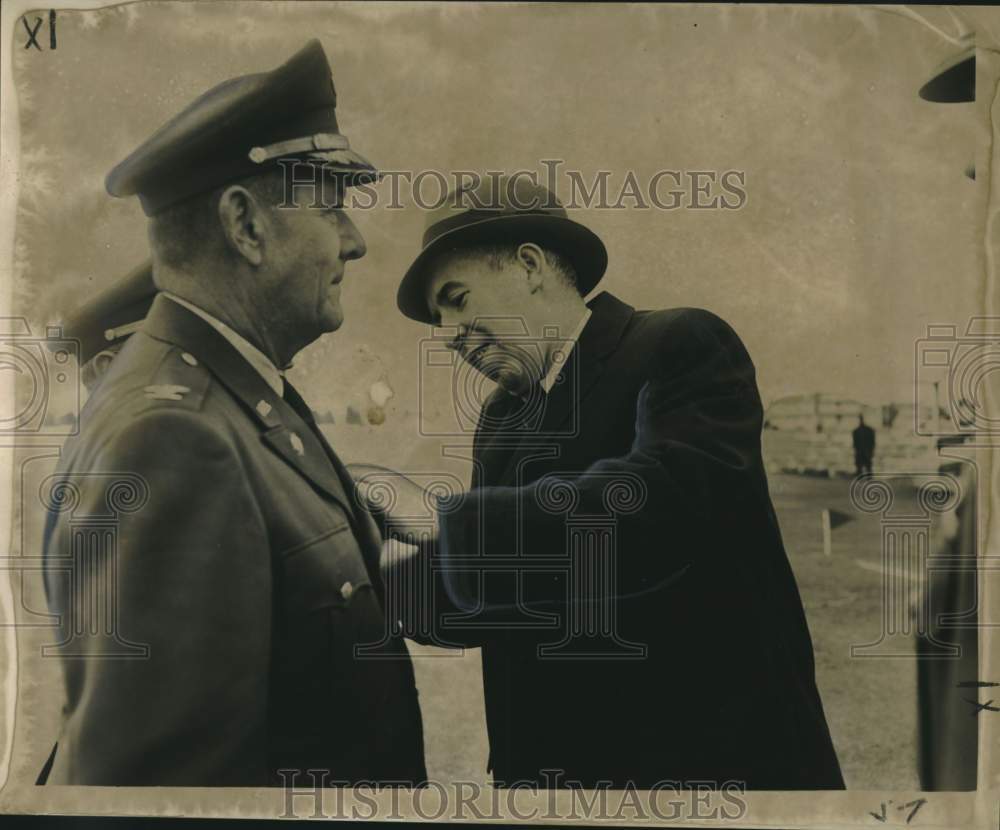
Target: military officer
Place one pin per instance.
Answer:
(247, 640)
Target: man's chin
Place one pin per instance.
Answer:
(331, 319)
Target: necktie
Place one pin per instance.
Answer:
(370, 545)
(504, 423)
(297, 403)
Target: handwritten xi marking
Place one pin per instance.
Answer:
(32, 31)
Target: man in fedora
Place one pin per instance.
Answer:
(212, 630)
(671, 646)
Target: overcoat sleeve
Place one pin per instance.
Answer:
(692, 471)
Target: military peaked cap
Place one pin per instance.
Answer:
(239, 129)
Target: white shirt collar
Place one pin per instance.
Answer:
(254, 356)
(559, 356)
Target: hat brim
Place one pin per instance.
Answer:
(954, 81)
(353, 167)
(579, 244)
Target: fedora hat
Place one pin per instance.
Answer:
(495, 210)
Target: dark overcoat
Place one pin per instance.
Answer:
(675, 646)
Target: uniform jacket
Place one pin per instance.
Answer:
(711, 675)
(244, 569)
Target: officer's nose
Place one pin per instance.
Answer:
(352, 243)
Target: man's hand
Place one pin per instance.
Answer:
(401, 506)
(396, 555)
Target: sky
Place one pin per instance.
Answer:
(859, 228)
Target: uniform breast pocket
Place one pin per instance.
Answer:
(324, 572)
(333, 622)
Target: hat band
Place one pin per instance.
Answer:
(306, 144)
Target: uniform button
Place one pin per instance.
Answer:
(189, 359)
(346, 590)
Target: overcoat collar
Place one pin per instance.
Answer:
(599, 339)
(553, 422)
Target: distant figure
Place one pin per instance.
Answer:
(864, 446)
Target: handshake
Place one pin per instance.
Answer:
(404, 511)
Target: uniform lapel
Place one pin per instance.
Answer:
(301, 449)
(365, 529)
(282, 429)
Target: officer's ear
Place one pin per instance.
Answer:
(243, 223)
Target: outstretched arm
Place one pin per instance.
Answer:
(695, 459)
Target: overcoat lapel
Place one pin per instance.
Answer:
(586, 364)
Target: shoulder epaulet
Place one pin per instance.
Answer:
(180, 381)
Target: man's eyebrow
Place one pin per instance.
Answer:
(441, 296)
